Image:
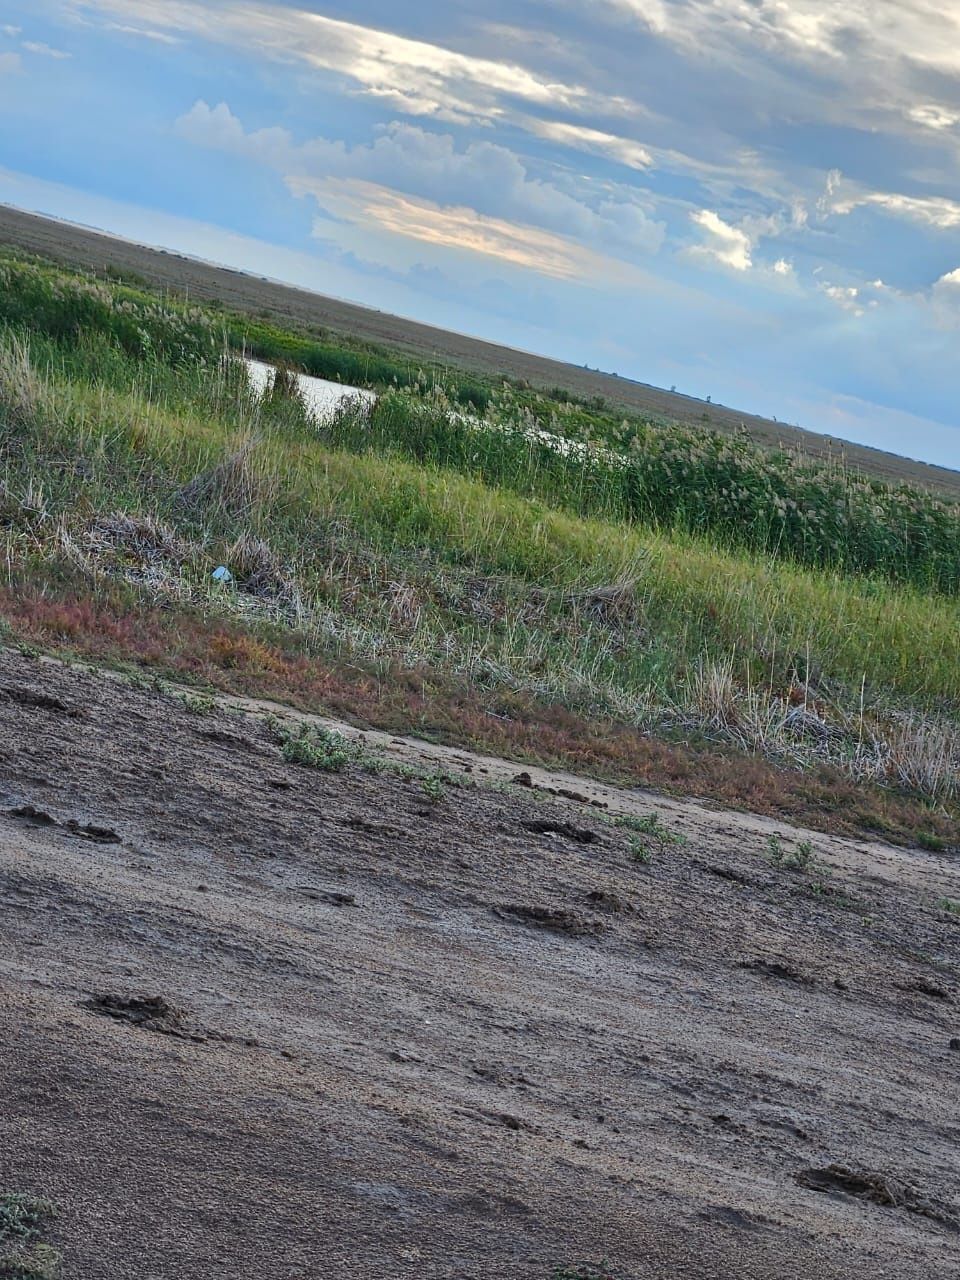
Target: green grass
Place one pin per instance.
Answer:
(23, 1255)
(678, 480)
(660, 477)
(688, 598)
(648, 834)
(316, 748)
(200, 704)
(800, 858)
(57, 303)
(434, 788)
(931, 842)
(420, 541)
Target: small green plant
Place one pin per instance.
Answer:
(316, 748)
(950, 905)
(650, 825)
(648, 834)
(201, 704)
(434, 788)
(582, 1271)
(37, 1261)
(640, 851)
(801, 858)
(932, 843)
(23, 1255)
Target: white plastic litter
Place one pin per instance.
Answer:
(222, 574)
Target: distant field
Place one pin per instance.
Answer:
(251, 294)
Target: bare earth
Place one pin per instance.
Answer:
(393, 1038)
(240, 291)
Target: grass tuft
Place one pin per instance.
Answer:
(316, 748)
(23, 1255)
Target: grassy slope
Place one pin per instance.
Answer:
(354, 326)
(124, 482)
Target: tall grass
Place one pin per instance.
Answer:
(69, 307)
(92, 448)
(60, 304)
(668, 479)
(365, 367)
(675, 480)
(372, 554)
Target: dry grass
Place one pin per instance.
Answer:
(380, 562)
(188, 644)
(235, 486)
(23, 389)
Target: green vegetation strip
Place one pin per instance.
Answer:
(418, 537)
(23, 1255)
(661, 477)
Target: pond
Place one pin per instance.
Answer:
(321, 397)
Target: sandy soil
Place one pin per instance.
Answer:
(473, 1038)
(242, 292)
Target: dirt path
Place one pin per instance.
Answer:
(393, 1037)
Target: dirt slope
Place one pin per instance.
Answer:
(473, 1038)
(80, 246)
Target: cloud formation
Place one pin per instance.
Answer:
(726, 245)
(882, 56)
(413, 76)
(484, 176)
(596, 141)
(705, 192)
(45, 50)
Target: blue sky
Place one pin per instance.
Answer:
(755, 200)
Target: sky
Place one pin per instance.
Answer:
(752, 200)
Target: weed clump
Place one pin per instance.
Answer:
(23, 1255)
(199, 704)
(931, 842)
(799, 858)
(316, 748)
(648, 835)
(434, 788)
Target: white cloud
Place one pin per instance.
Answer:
(847, 297)
(782, 267)
(623, 150)
(932, 115)
(453, 227)
(485, 176)
(143, 33)
(883, 32)
(938, 212)
(944, 300)
(725, 244)
(9, 30)
(44, 50)
(881, 57)
(412, 76)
